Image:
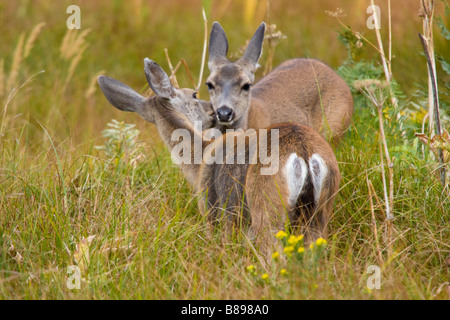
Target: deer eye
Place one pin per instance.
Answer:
(194, 95)
(246, 87)
(210, 86)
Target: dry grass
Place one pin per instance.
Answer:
(61, 198)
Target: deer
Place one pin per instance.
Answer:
(299, 90)
(301, 189)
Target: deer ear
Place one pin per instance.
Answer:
(218, 46)
(120, 95)
(158, 80)
(254, 48)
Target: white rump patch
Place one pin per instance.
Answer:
(296, 172)
(318, 170)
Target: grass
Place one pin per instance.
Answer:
(146, 238)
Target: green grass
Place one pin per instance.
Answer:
(57, 189)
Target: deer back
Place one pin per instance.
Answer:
(304, 91)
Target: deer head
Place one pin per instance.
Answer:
(229, 82)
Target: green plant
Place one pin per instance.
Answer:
(122, 146)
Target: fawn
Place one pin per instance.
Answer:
(301, 189)
(304, 91)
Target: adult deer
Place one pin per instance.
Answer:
(301, 188)
(304, 91)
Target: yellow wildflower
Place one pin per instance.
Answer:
(281, 234)
(320, 242)
(251, 268)
(265, 276)
(301, 250)
(283, 272)
(288, 250)
(292, 240)
(275, 255)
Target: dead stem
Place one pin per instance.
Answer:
(372, 89)
(437, 122)
(374, 222)
(205, 44)
(173, 77)
(427, 13)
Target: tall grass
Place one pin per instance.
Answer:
(131, 223)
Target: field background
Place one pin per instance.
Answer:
(130, 208)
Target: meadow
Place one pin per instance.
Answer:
(85, 186)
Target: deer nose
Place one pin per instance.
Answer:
(225, 114)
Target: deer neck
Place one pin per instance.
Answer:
(181, 137)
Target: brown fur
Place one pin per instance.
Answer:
(240, 194)
(304, 91)
(237, 193)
